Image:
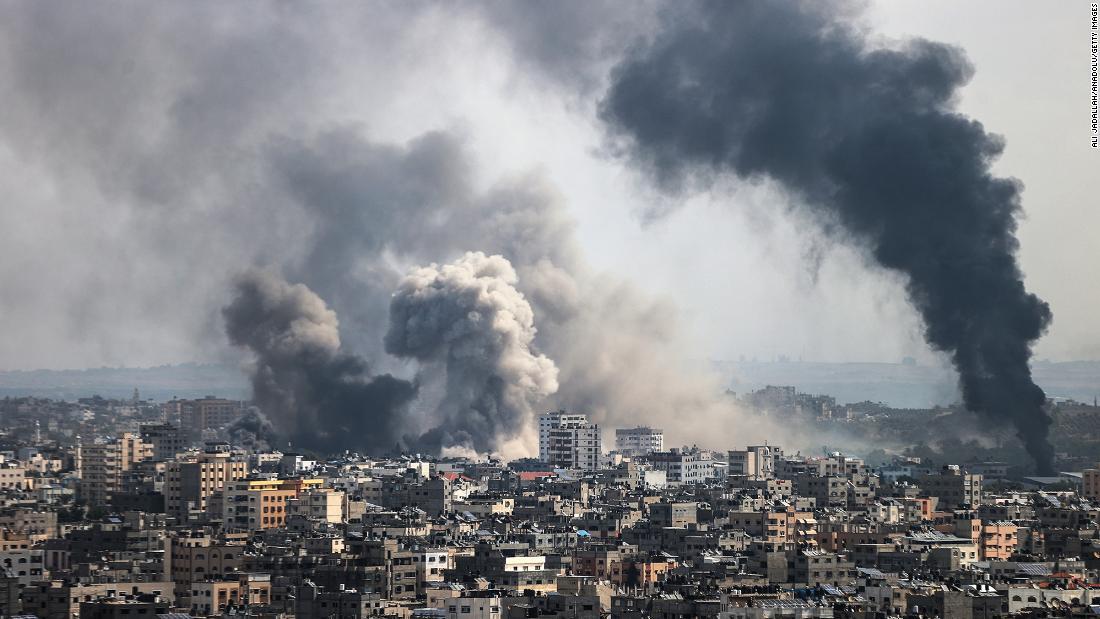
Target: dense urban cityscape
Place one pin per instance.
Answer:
(549, 309)
(117, 508)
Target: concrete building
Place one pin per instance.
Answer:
(639, 441)
(258, 504)
(1090, 484)
(208, 413)
(196, 557)
(189, 483)
(105, 463)
(755, 461)
(569, 441)
(58, 599)
(683, 466)
(166, 439)
(954, 488)
(319, 505)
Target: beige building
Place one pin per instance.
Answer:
(196, 558)
(954, 488)
(14, 477)
(190, 482)
(257, 504)
(103, 465)
(214, 598)
(208, 413)
(319, 504)
(1090, 483)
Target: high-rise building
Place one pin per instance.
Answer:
(190, 482)
(103, 465)
(569, 441)
(639, 441)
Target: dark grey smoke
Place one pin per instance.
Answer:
(253, 429)
(867, 139)
(315, 394)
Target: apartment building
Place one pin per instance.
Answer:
(755, 461)
(639, 441)
(189, 483)
(1090, 483)
(104, 464)
(319, 505)
(258, 504)
(683, 466)
(166, 439)
(208, 413)
(569, 441)
(954, 488)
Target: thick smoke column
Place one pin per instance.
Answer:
(867, 139)
(315, 394)
(469, 317)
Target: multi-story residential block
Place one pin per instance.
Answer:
(13, 476)
(196, 556)
(639, 441)
(754, 462)
(954, 488)
(104, 464)
(166, 439)
(191, 481)
(1090, 484)
(569, 441)
(259, 504)
(319, 505)
(208, 413)
(683, 466)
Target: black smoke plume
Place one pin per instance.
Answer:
(868, 140)
(320, 397)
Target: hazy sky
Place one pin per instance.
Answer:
(135, 152)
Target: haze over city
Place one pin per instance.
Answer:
(524, 309)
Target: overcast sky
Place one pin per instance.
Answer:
(135, 180)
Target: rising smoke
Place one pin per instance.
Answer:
(469, 318)
(316, 395)
(867, 140)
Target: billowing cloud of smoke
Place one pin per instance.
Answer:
(253, 429)
(866, 139)
(316, 395)
(468, 317)
(165, 146)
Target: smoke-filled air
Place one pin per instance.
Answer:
(866, 139)
(317, 395)
(416, 226)
(469, 318)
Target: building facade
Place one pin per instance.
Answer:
(569, 441)
(639, 441)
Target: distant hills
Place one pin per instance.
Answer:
(187, 380)
(898, 385)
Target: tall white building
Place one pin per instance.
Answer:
(639, 441)
(568, 441)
